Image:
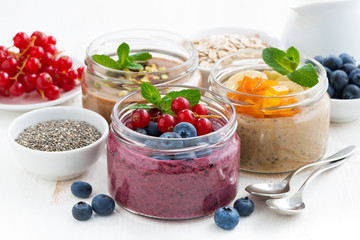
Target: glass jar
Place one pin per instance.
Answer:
(276, 139)
(102, 86)
(143, 179)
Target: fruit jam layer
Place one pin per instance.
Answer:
(173, 189)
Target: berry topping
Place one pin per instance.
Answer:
(140, 118)
(141, 130)
(152, 129)
(82, 211)
(103, 205)
(244, 206)
(155, 113)
(185, 130)
(200, 109)
(186, 115)
(227, 218)
(203, 126)
(81, 189)
(166, 123)
(170, 144)
(179, 104)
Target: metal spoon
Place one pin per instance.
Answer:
(280, 189)
(294, 204)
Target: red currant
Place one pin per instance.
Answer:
(50, 48)
(186, 115)
(179, 104)
(3, 55)
(155, 113)
(4, 79)
(51, 40)
(166, 123)
(80, 71)
(16, 89)
(203, 126)
(29, 82)
(48, 59)
(4, 92)
(21, 40)
(36, 51)
(43, 81)
(32, 65)
(52, 93)
(140, 118)
(66, 83)
(72, 74)
(2, 48)
(64, 63)
(130, 125)
(200, 109)
(9, 65)
(41, 38)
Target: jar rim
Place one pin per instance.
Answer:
(229, 127)
(322, 77)
(192, 60)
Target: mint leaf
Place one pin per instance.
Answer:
(143, 106)
(305, 76)
(294, 57)
(123, 52)
(106, 61)
(133, 66)
(193, 95)
(141, 56)
(277, 60)
(150, 93)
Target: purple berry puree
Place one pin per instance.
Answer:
(173, 189)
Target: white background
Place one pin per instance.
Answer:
(31, 208)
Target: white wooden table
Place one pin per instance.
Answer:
(31, 208)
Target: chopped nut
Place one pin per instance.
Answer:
(164, 76)
(122, 93)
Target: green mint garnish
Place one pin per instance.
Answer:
(125, 60)
(286, 63)
(152, 95)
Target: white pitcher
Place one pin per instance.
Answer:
(323, 27)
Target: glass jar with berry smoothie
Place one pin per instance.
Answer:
(174, 61)
(170, 175)
(282, 125)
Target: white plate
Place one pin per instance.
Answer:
(34, 101)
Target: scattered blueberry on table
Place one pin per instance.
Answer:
(81, 189)
(103, 205)
(82, 211)
(227, 218)
(245, 206)
(343, 75)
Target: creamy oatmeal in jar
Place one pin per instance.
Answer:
(281, 124)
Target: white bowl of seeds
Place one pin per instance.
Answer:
(58, 143)
(215, 43)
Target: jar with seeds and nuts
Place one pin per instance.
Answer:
(174, 61)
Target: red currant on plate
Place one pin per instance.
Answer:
(203, 126)
(52, 92)
(16, 89)
(9, 65)
(200, 109)
(179, 104)
(186, 115)
(80, 71)
(64, 63)
(32, 65)
(51, 40)
(140, 118)
(21, 40)
(4, 79)
(36, 51)
(41, 38)
(166, 123)
(43, 81)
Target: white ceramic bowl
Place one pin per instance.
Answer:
(344, 110)
(57, 166)
(205, 33)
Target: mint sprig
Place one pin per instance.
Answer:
(125, 60)
(152, 95)
(286, 63)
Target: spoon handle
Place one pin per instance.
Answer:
(335, 157)
(317, 172)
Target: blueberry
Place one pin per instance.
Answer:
(204, 152)
(141, 130)
(320, 59)
(330, 91)
(245, 206)
(103, 204)
(346, 58)
(351, 91)
(82, 211)
(171, 144)
(328, 73)
(349, 67)
(339, 80)
(181, 156)
(185, 129)
(81, 189)
(153, 129)
(333, 62)
(354, 77)
(227, 218)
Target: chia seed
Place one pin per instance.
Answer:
(58, 135)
